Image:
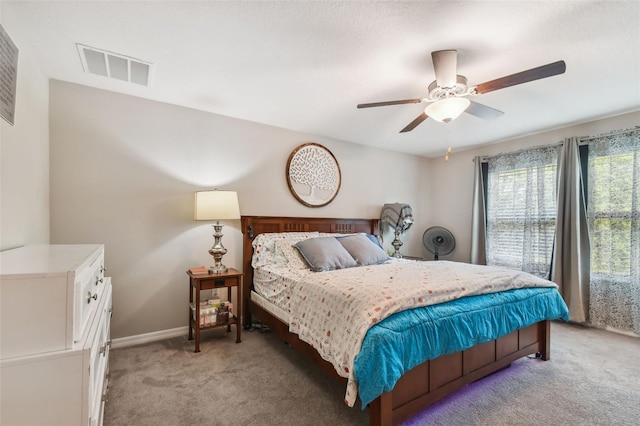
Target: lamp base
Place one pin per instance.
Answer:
(218, 269)
(396, 243)
(217, 251)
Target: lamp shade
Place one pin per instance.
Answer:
(216, 205)
(447, 109)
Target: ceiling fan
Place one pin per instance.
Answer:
(447, 93)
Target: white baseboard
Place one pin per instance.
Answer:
(617, 330)
(139, 339)
(609, 328)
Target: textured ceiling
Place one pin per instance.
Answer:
(306, 65)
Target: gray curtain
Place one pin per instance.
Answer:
(478, 218)
(570, 267)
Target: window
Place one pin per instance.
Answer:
(521, 210)
(519, 202)
(613, 212)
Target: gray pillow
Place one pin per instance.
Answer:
(363, 250)
(325, 254)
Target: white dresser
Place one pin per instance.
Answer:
(55, 313)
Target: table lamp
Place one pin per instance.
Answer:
(217, 205)
(399, 217)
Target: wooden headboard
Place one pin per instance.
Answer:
(254, 225)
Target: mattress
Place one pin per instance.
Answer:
(270, 307)
(274, 285)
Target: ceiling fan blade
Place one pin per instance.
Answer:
(532, 74)
(482, 111)
(377, 104)
(419, 119)
(445, 63)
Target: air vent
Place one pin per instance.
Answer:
(113, 65)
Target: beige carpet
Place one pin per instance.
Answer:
(593, 378)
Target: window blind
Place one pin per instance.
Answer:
(521, 209)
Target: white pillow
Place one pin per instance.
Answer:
(264, 246)
(293, 258)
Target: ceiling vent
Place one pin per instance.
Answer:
(114, 65)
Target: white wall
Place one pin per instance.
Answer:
(452, 194)
(24, 156)
(124, 170)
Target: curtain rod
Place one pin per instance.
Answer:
(486, 158)
(583, 140)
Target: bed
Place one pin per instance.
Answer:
(419, 383)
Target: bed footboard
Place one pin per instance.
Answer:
(435, 379)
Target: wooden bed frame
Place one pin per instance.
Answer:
(424, 384)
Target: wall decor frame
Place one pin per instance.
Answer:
(313, 175)
(8, 76)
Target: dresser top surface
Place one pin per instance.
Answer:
(46, 259)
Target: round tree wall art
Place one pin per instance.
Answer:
(313, 175)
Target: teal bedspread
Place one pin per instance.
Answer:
(409, 338)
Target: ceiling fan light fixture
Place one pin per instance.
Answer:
(447, 109)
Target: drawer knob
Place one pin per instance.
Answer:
(89, 297)
(103, 269)
(103, 349)
(99, 280)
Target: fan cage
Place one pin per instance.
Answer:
(438, 241)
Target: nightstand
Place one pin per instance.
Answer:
(197, 283)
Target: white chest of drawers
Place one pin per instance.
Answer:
(55, 312)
